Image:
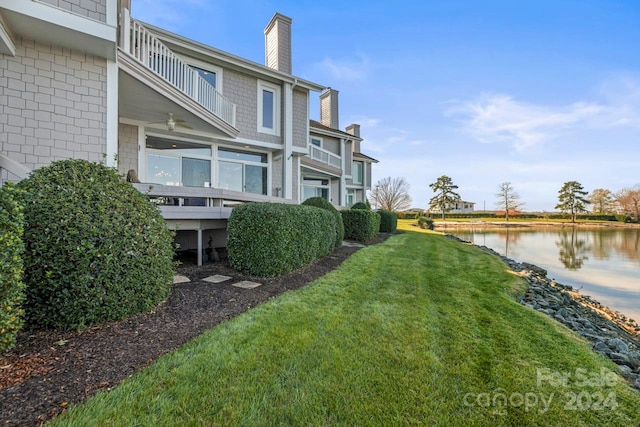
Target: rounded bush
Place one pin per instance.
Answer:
(320, 202)
(361, 225)
(388, 221)
(271, 239)
(95, 247)
(361, 205)
(11, 270)
(426, 223)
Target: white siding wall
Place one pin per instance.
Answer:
(52, 105)
(94, 9)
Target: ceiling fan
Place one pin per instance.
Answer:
(173, 123)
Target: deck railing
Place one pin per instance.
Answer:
(150, 51)
(325, 157)
(178, 202)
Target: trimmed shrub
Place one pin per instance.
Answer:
(320, 202)
(623, 218)
(388, 221)
(11, 270)
(426, 223)
(360, 225)
(96, 248)
(271, 239)
(361, 205)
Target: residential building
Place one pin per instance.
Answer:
(335, 168)
(198, 129)
(460, 206)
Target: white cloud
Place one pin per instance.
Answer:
(345, 70)
(495, 118)
(500, 118)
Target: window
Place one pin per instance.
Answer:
(171, 162)
(316, 141)
(351, 197)
(242, 171)
(315, 188)
(357, 172)
(210, 77)
(268, 108)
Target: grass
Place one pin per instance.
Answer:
(417, 330)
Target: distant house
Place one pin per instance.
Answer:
(457, 207)
(202, 130)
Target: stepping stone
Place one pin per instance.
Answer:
(180, 279)
(247, 284)
(217, 278)
(352, 244)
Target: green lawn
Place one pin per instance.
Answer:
(417, 330)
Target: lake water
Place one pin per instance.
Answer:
(602, 263)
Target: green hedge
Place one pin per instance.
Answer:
(361, 205)
(322, 203)
(11, 267)
(408, 215)
(271, 239)
(388, 221)
(623, 218)
(96, 248)
(426, 223)
(523, 216)
(360, 225)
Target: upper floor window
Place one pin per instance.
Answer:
(316, 141)
(268, 108)
(209, 76)
(357, 172)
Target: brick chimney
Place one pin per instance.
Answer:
(329, 108)
(277, 43)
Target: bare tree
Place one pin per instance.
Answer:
(445, 196)
(629, 201)
(391, 194)
(508, 199)
(601, 199)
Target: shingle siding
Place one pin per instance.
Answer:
(276, 176)
(94, 9)
(300, 119)
(242, 90)
(127, 148)
(52, 105)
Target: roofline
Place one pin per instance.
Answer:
(336, 133)
(365, 158)
(233, 60)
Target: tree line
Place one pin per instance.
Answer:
(392, 194)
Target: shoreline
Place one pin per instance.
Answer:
(610, 332)
(479, 224)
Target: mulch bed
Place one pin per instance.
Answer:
(49, 370)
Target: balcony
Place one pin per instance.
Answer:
(149, 51)
(323, 156)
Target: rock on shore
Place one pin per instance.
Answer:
(610, 333)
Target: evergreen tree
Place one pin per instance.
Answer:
(445, 195)
(572, 199)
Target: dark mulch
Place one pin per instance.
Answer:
(48, 370)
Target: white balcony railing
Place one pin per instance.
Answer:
(325, 157)
(147, 49)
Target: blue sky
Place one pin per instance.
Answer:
(536, 93)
